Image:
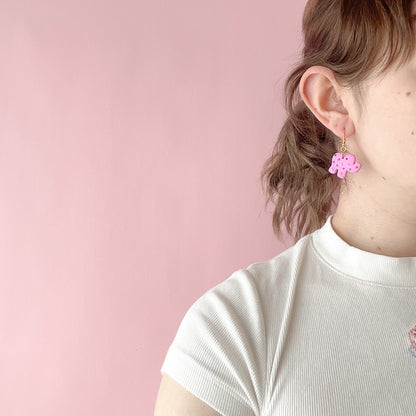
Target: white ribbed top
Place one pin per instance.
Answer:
(323, 328)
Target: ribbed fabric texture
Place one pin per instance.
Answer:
(321, 329)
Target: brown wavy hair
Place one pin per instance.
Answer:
(355, 40)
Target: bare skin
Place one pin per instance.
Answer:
(174, 400)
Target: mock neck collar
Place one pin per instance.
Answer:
(363, 265)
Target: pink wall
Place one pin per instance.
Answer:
(132, 139)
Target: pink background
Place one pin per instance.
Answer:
(132, 139)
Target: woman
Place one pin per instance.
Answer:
(328, 327)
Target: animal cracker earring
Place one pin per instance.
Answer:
(344, 163)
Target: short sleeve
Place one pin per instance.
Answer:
(219, 351)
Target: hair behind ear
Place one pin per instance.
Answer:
(296, 174)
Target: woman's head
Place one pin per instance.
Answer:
(357, 67)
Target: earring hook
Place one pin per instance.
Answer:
(343, 148)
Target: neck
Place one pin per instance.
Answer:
(378, 221)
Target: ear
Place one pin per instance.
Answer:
(323, 95)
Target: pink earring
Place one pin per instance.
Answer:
(344, 163)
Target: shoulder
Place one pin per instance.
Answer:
(248, 293)
(274, 276)
(223, 344)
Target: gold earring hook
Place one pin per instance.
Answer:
(343, 148)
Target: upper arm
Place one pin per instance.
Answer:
(174, 400)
